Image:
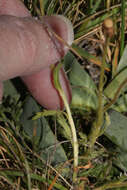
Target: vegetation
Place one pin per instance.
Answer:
(83, 147)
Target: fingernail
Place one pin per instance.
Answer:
(55, 23)
(70, 37)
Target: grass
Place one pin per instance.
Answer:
(33, 158)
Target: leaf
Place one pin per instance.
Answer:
(117, 130)
(68, 61)
(123, 61)
(83, 88)
(45, 113)
(114, 85)
(9, 88)
(83, 99)
(44, 136)
(84, 79)
(117, 133)
(66, 131)
(56, 81)
(84, 54)
(121, 75)
(106, 123)
(121, 104)
(79, 77)
(121, 159)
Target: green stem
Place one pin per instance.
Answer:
(95, 131)
(42, 7)
(122, 27)
(70, 119)
(108, 4)
(74, 135)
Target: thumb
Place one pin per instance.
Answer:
(27, 46)
(42, 88)
(14, 8)
(41, 84)
(32, 50)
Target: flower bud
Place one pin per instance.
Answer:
(108, 28)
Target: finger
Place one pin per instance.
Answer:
(42, 88)
(14, 8)
(40, 84)
(61, 30)
(27, 47)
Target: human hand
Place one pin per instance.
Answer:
(27, 49)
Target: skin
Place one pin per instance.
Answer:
(28, 48)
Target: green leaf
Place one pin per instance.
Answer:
(9, 89)
(45, 138)
(121, 104)
(79, 77)
(112, 88)
(68, 61)
(56, 81)
(75, 70)
(86, 55)
(10, 173)
(117, 133)
(66, 131)
(117, 130)
(123, 61)
(83, 88)
(120, 77)
(45, 113)
(121, 159)
(114, 85)
(83, 99)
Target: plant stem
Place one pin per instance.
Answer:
(74, 135)
(70, 119)
(95, 131)
(108, 4)
(42, 7)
